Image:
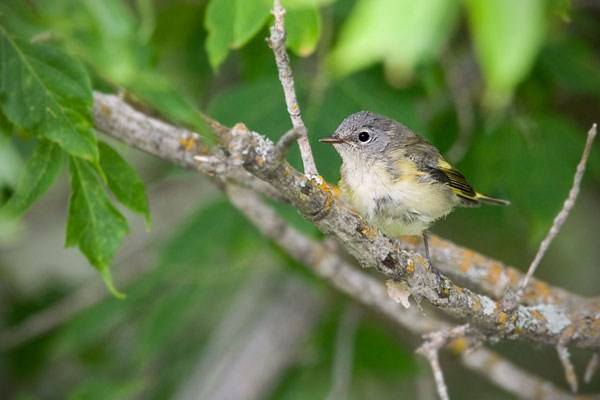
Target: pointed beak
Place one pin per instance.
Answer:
(331, 139)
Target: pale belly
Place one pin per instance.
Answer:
(406, 206)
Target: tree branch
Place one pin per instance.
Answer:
(548, 323)
(277, 43)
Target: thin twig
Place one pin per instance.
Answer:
(565, 360)
(344, 353)
(285, 142)
(562, 215)
(430, 349)
(591, 368)
(431, 354)
(277, 43)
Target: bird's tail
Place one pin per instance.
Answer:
(491, 200)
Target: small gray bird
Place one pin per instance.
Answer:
(396, 179)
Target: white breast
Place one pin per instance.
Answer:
(405, 206)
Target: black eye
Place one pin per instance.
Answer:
(363, 137)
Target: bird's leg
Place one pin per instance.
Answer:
(426, 241)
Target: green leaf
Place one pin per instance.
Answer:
(231, 23)
(401, 33)
(6, 127)
(107, 36)
(249, 17)
(46, 92)
(508, 35)
(304, 4)
(303, 30)
(123, 181)
(94, 224)
(41, 171)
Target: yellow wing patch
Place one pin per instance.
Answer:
(457, 182)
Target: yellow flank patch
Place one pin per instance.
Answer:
(408, 169)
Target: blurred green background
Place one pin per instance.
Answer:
(505, 89)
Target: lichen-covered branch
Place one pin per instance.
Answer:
(547, 323)
(318, 204)
(277, 43)
(122, 122)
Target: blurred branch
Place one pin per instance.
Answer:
(344, 353)
(430, 349)
(565, 360)
(317, 204)
(591, 368)
(277, 43)
(256, 341)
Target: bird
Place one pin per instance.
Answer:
(396, 179)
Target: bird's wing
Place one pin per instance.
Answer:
(456, 182)
(428, 159)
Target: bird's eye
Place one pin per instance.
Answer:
(363, 137)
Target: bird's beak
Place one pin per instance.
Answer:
(331, 139)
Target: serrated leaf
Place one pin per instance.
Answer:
(93, 224)
(41, 171)
(123, 181)
(48, 93)
(303, 30)
(508, 35)
(401, 33)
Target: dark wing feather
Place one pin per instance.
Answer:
(428, 159)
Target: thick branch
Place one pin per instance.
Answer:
(545, 323)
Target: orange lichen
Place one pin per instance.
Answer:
(536, 314)
(261, 161)
(187, 143)
(492, 361)
(476, 304)
(538, 291)
(467, 260)
(240, 127)
(368, 231)
(458, 345)
(494, 273)
(106, 111)
(502, 320)
(414, 240)
(410, 268)
(513, 278)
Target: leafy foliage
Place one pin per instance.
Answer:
(123, 181)
(507, 35)
(402, 34)
(41, 170)
(232, 23)
(94, 224)
(47, 93)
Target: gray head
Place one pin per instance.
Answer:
(365, 135)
